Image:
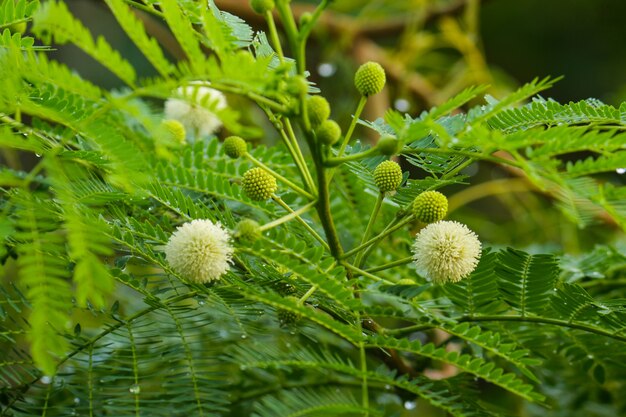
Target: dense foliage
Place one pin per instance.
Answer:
(324, 312)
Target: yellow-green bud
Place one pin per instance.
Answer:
(318, 110)
(388, 176)
(369, 79)
(406, 281)
(258, 184)
(389, 145)
(328, 132)
(175, 129)
(286, 317)
(305, 18)
(247, 230)
(284, 288)
(18, 28)
(262, 6)
(297, 85)
(430, 206)
(235, 147)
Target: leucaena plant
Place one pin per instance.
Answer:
(218, 239)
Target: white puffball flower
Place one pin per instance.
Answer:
(194, 106)
(200, 251)
(446, 251)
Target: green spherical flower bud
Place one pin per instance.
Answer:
(388, 176)
(297, 86)
(318, 110)
(175, 129)
(369, 79)
(389, 145)
(247, 230)
(305, 19)
(262, 6)
(430, 206)
(328, 132)
(235, 147)
(258, 184)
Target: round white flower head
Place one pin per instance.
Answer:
(446, 251)
(193, 107)
(199, 250)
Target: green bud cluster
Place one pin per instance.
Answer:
(430, 206)
(388, 176)
(235, 147)
(288, 318)
(369, 79)
(258, 184)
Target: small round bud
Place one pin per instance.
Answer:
(406, 281)
(258, 184)
(430, 206)
(369, 79)
(235, 147)
(318, 110)
(288, 318)
(247, 230)
(18, 28)
(284, 288)
(389, 145)
(328, 132)
(262, 6)
(388, 176)
(297, 85)
(175, 129)
(305, 18)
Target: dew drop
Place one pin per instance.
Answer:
(244, 336)
(621, 171)
(410, 405)
(134, 389)
(46, 379)
(76, 400)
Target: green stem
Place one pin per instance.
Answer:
(279, 177)
(521, 319)
(368, 229)
(363, 359)
(378, 237)
(332, 162)
(472, 155)
(289, 24)
(307, 294)
(355, 119)
(305, 30)
(390, 265)
(366, 274)
(323, 208)
(288, 217)
(271, 26)
(302, 222)
(298, 151)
